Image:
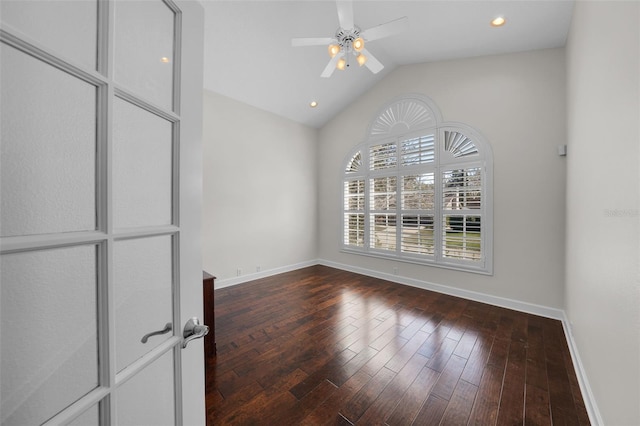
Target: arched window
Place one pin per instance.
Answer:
(420, 190)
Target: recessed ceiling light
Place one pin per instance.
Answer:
(498, 21)
(313, 104)
(164, 60)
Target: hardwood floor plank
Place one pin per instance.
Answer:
(485, 408)
(431, 412)
(397, 362)
(362, 400)
(387, 401)
(312, 381)
(537, 410)
(448, 380)
(410, 404)
(499, 353)
(384, 355)
(512, 403)
(419, 320)
(339, 376)
(435, 340)
(563, 408)
(466, 344)
(477, 360)
(460, 404)
(297, 410)
(327, 412)
(321, 346)
(442, 355)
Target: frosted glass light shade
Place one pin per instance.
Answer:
(358, 44)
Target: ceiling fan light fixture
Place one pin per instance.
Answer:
(361, 59)
(341, 65)
(333, 50)
(358, 44)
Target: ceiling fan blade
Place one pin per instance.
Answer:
(331, 66)
(312, 41)
(372, 63)
(345, 14)
(385, 30)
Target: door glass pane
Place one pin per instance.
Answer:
(88, 418)
(142, 163)
(148, 397)
(42, 21)
(143, 278)
(144, 49)
(48, 332)
(48, 149)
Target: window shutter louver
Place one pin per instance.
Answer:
(355, 164)
(420, 150)
(458, 144)
(383, 156)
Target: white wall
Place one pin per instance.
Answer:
(517, 102)
(260, 192)
(602, 283)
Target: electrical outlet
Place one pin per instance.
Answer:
(395, 270)
(258, 268)
(238, 272)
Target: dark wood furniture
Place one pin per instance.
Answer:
(209, 315)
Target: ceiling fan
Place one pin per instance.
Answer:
(350, 40)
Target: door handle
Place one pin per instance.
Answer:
(193, 330)
(167, 328)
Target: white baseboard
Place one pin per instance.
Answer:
(262, 274)
(516, 305)
(531, 308)
(589, 401)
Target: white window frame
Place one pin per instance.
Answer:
(403, 119)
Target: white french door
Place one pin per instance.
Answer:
(100, 198)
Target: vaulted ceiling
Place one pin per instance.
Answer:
(249, 57)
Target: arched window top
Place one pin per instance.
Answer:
(354, 165)
(401, 115)
(458, 144)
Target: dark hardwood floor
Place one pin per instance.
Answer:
(321, 346)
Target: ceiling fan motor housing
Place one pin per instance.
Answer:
(345, 38)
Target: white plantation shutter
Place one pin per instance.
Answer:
(461, 218)
(458, 145)
(382, 207)
(422, 194)
(355, 164)
(420, 150)
(383, 156)
(354, 208)
(418, 210)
